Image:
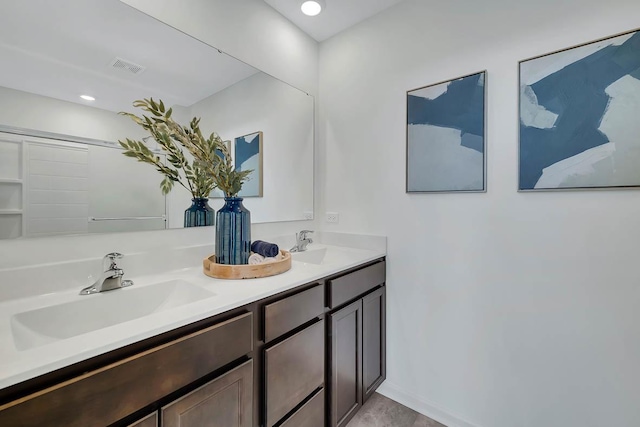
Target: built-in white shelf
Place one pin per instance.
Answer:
(10, 212)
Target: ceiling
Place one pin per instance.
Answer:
(338, 15)
(64, 48)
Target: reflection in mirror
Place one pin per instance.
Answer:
(71, 188)
(61, 169)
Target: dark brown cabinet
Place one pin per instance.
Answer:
(294, 358)
(226, 401)
(357, 364)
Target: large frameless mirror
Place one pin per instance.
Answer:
(61, 168)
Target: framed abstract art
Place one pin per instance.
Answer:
(579, 120)
(446, 136)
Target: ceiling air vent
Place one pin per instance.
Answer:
(128, 66)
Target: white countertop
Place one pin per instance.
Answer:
(18, 366)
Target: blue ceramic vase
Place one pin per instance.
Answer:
(199, 214)
(233, 232)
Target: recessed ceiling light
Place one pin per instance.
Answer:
(312, 7)
(87, 97)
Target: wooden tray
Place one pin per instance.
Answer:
(246, 271)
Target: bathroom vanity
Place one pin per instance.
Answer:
(303, 349)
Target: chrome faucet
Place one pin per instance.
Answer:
(302, 240)
(110, 279)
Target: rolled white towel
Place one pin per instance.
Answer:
(256, 259)
(273, 258)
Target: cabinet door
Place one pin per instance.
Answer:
(226, 401)
(148, 421)
(373, 342)
(346, 363)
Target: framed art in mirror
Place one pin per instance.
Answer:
(247, 155)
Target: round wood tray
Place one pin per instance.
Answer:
(246, 271)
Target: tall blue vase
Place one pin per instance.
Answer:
(233, 232)
(199, 214)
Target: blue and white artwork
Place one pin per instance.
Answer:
(248, 155)
(446, 136)
(580, 117)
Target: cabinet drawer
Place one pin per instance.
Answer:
(311, 414)
(287, 314)
(226, 401)
(118, 390)
(148, 421)
(294, 368)
(344, 289)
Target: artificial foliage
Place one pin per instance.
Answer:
(207, 165)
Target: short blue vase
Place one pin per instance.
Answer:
(199, 214)
(233, 232)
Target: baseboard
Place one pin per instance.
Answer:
(422, 405)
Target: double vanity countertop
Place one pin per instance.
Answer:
(42, 333)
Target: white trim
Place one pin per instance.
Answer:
(423, 406)
(56, 136)
(24, 152)
(25, 184)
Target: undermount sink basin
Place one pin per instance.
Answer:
(93, 312)
(316, 256)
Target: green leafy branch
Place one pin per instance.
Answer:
(228, 179)
(171, 137)
(142, 153)
(208, 169)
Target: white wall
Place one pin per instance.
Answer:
(267, 41)
(504, 309)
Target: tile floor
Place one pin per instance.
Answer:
(380, 411)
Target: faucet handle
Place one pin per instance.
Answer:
(112, 257)
(303, 234)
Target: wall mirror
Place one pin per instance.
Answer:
(61, 168)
